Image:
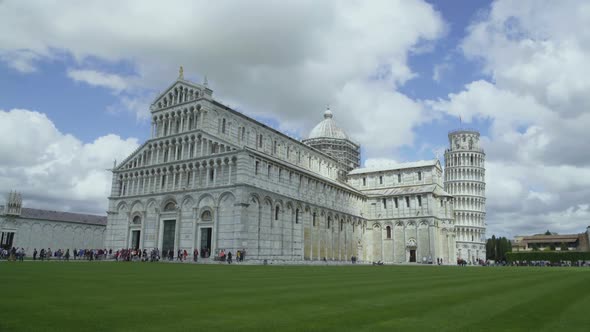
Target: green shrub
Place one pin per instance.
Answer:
(552, 256)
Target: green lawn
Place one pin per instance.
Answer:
(100, 296)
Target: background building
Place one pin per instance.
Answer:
(35, 228)
(574, 242)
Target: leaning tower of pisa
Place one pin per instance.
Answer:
(465, 180)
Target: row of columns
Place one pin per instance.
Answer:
(175, 122)
(203, 175)
(466, 234)
(331, 243)
(464, 159)
(453, 174)
(469, 219)
(470, 203)
(180, 95)
(175, 151)
(462, 188)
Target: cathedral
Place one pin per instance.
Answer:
(211, 178)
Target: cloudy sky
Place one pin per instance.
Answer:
(76, 80)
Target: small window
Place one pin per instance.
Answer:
(211, 174)
(341, 225)
(277, 212)
(399, 178)
(419, 176)
(297, 216)
(256, 167)
(381, 179)
(364, 181)
(396, 202)
(223, 126)
(163, 180)
(419, 200)
(388, 228)
(269, 170)
(137, 220)
(313, 219)
(407, 201)
(329, 223)
(274, 149)
(384, 201)
(441, 202)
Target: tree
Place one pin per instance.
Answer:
(563, 247)
(547, 232)
(535, 247)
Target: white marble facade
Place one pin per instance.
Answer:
(211, 177)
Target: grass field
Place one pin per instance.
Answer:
(103, 296)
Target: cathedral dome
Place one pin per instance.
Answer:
(327, 128)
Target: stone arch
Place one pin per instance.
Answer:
(122, 207)
(166, 201)
(137, 205)
(206, 200)
(188, 202)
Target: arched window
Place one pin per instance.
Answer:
(297, 216)
(137, 220)
(313, 219)
(341, 225)
(388, 232)
(329, 222)
(277, 212)
(223, 126)
(170, 206)
(206, 215)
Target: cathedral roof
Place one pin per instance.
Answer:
(413, 164)
(328, 128)
(406, 190)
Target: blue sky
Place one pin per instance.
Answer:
(397, 74)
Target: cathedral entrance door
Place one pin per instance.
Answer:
(135, 235)
(6, 240)
(206, 242)
(412, 256)
(168, 236)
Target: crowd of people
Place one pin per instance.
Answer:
(13, 254)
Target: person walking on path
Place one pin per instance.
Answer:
(195, 255)
(229, 257)
(67, 255)
(35, 254)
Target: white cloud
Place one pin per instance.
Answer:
(284, 60)
(56, 170)
(100, 79)
(537, 103)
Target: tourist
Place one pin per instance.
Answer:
(42, 254)
(238, 253)
(49, 254)
(67, 255)
(243, 254)
(184, 254)
(229, 257)
(35, 254)
(179, 255)
(195, 255)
